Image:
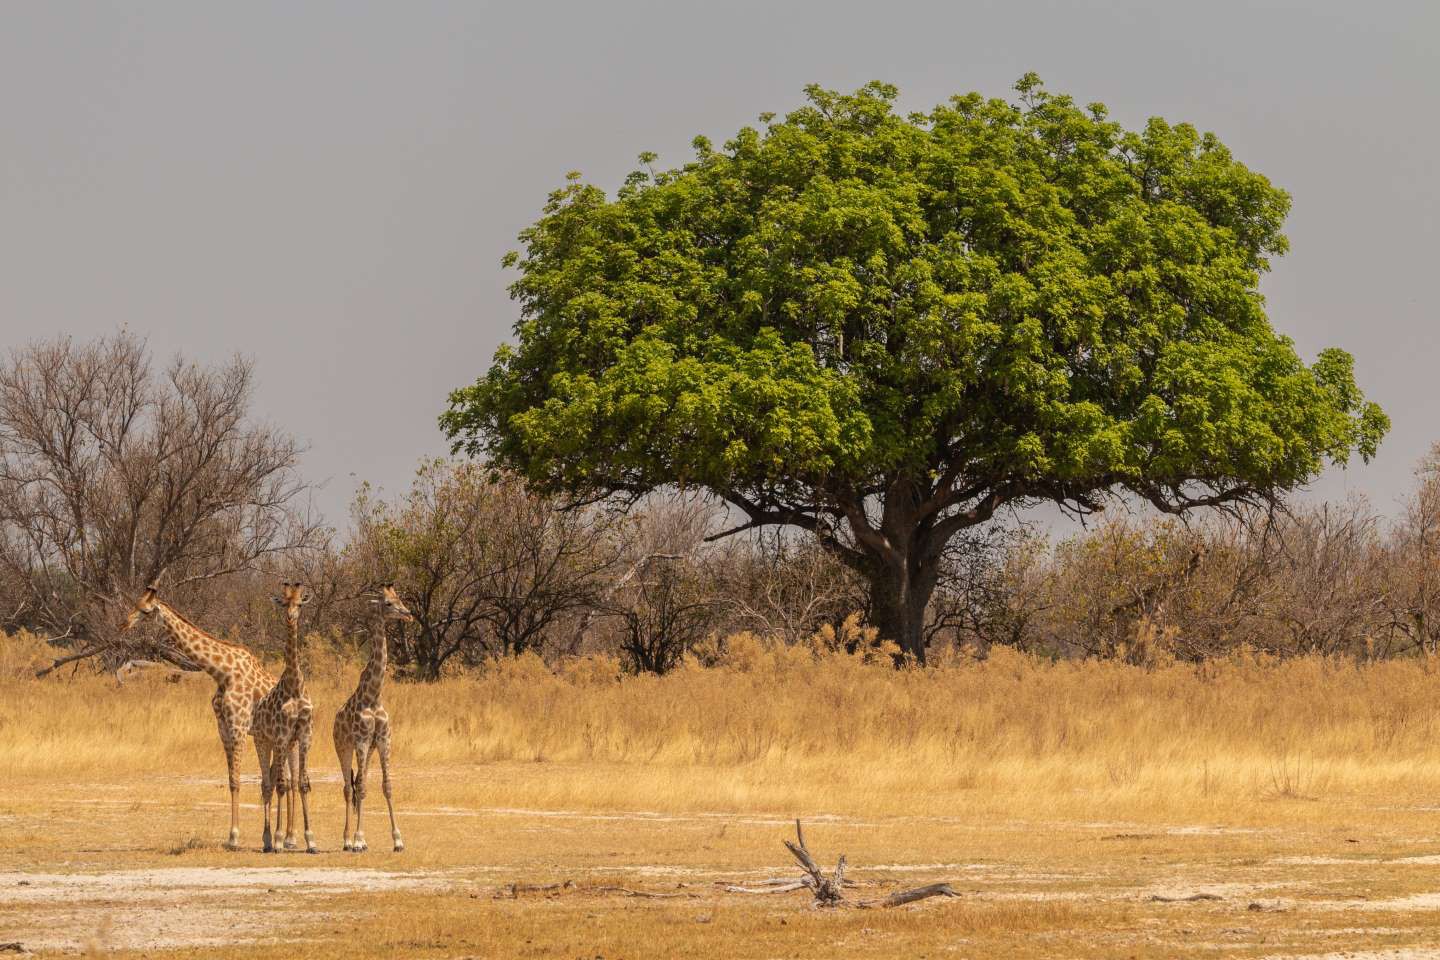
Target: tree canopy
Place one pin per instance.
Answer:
(883, 327)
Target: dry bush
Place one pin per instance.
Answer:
(1409, 593)
(114, 475)
(664, 604)
(486, 567)
(784, 586)
(1315, 579)
(983, 593)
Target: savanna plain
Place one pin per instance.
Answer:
(1243, 808)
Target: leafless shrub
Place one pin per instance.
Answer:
(485, 566)
(780, 586)
(113, 476)
(665, 603)
(981, 596)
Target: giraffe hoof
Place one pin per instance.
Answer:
(290, 844)
(349, 846)
(360, 846)
(312, 848)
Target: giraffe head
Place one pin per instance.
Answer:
(292, 597)
(144, 607)
(391, 607)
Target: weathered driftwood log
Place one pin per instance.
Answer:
(782, 885)
(829, 891)
(512, 891)
(910, 896)
(644, 893)
(1192, 898)
(785, 887)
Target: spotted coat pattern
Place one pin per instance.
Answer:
(362, 727)
(240, 683)
(282, 731)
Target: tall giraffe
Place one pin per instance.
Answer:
(282, 730)
(362, 726)
(240, 682)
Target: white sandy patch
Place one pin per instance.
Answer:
(1399, 953)
(165, 883)
(1418, 861)
(1416, 901)
(177, 907)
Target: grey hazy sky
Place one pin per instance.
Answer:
(329, 187)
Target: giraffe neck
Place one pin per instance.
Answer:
(293, 679)
(197, 645)
(373, 676)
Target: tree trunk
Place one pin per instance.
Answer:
(898, 598)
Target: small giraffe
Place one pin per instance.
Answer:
(282, 731)
(362, 726)
(240, 682)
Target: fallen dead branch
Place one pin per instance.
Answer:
(910, 896)
(1192, 898)
(513, 890)
(770, 888)
(644, 893)
(828, 891)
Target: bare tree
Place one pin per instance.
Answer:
(113, 476)
(1329, 557)
(785, 586)
(485, 566)
(1412, 564)
(431, 543)
(970, 603)
(666, 603)
(545, 562)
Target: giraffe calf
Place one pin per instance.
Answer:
(362, 727)
(282, 732)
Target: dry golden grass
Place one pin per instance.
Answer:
(790, 729)
(1058, 797)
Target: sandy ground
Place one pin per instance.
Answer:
(173, 907)
(111, 868)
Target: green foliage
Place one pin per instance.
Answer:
(1025, 294)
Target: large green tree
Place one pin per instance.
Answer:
(883, 328)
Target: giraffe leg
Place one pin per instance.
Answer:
(382, 744)
(347, 782)
(279, 779)
(293, 785)
(232, 761)
(363, 749)
(302, 765)
(267, 785)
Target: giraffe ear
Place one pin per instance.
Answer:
(307, 598)
(278, 601)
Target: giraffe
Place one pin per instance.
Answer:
(240, 682)
(282, 730)
(362, 726)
